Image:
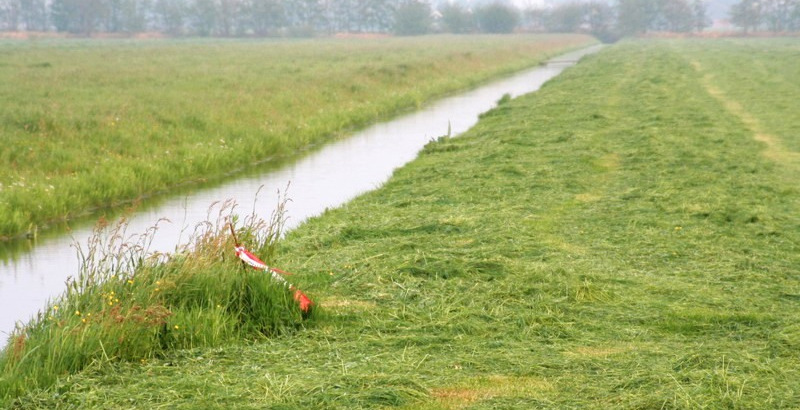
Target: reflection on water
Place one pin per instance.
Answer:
(32, 273)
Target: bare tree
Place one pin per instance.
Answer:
(264, 16)
(567, 18)
(778, 14)
(635, 16)
(412, 17)
(10, 14)
(701, 20)
(202, 17)
(79, 16)
(33, 14)
(675, 16)
(170, 16)
(127, 15)
(457, 18)
(497, 18)
(747, 14)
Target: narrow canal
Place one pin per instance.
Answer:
(326, 178)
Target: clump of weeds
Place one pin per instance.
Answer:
(128, 304)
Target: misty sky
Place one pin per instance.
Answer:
(717, 9)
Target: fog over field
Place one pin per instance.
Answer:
(606, 19)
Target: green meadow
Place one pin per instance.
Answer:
(87, 125)
(626, 237)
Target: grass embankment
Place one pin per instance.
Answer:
(88, 124)
(622, 238)
(127, 305)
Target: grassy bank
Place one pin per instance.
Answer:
(627, 237)
(89, 124)
(128, 305)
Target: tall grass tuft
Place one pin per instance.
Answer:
(128, 304)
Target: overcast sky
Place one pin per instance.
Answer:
(717, 9)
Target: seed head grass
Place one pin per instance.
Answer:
(129, 305)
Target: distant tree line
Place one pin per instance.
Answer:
(767, 15)
(607, 19)
(198, 17)
(247, 17)
(682, 16)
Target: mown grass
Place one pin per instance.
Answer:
(91, 124)
(619, 239)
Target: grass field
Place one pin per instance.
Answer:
(90, 124)
(627, 237)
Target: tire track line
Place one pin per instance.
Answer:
(774, 148)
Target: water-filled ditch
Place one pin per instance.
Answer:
(323, 179)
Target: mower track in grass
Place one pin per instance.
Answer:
(775, 149)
